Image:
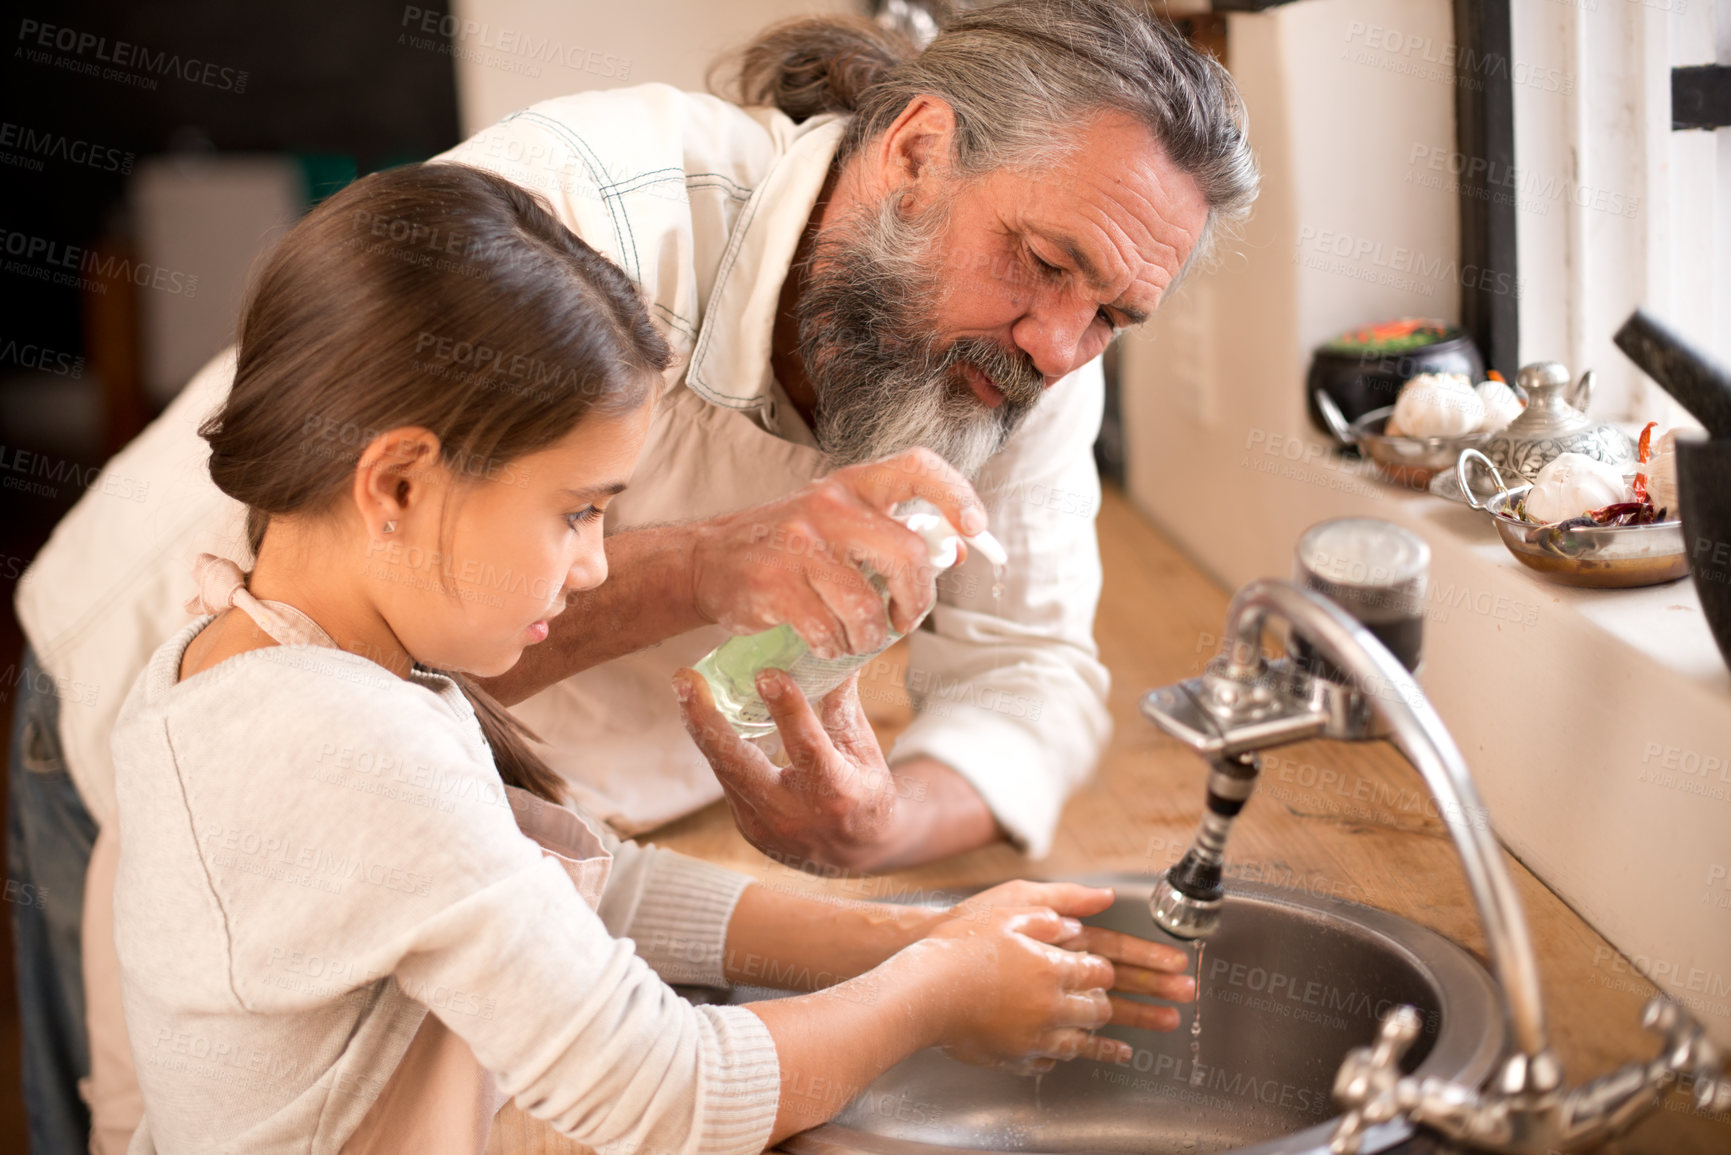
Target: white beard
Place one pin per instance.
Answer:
(882, 384)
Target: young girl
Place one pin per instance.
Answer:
(326, 832)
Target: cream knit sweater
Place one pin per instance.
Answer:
(314, 853)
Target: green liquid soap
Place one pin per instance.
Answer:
(731, 668)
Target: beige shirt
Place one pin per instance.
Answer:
(702, 203)
(300, 885)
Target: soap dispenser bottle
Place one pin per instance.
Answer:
(731, 668)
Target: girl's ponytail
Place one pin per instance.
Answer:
(509, 740)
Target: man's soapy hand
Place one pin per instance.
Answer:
(796, 560)
(834, 801)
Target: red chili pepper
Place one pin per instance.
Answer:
(1646, 445)
(1624, 513)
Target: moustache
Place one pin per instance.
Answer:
(1013, 373)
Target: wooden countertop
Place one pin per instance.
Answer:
(1349, 820)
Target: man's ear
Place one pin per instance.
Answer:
(395, 477)
(914, 152)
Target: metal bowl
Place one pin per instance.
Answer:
(1596, 556)
(1408, 461)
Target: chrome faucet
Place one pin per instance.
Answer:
(1353, 688)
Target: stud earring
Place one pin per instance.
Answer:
(390, 527)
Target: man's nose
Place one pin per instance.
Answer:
(1055, 337)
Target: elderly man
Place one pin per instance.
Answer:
(894, 270)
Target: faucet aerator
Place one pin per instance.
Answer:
(1184, 916)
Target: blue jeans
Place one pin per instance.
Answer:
(49, 834)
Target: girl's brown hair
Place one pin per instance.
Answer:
(439, 296)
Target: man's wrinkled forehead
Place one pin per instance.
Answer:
(1121, 214)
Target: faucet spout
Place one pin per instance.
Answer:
(1245, 703)
(1394, 697)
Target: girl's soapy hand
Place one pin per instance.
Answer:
(1008, 994)
(834, 800)
(1139, 966)
(796, 560)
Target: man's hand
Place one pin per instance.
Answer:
(835, 803)
(797, 560)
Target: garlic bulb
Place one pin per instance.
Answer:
(1573, 483)
(1661, 474)
(1437, 405)
(1501, 405)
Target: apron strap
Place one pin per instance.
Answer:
(222, 585)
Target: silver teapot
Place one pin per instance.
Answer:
(1554, 423)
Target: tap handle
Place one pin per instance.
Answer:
(1712, 1094)
(1366, 1068)
(1690, 1052)
(1368, 1083)
(1687, 1048)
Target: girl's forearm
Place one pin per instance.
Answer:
(794, 942)
(831, 1045)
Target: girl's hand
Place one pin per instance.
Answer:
(1006, 993)
(1139, 966)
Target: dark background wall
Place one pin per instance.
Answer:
(324, 78)
(322, 81)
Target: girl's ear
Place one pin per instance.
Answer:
(398, 472)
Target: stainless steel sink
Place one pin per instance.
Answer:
(1288, 984)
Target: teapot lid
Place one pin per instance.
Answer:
(1549, 412)
(1543, 375)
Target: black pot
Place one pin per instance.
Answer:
(1704, 492)
(1358, 380)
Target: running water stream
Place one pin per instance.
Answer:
(1196, 1076)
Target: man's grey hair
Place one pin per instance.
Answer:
(1022, 77)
